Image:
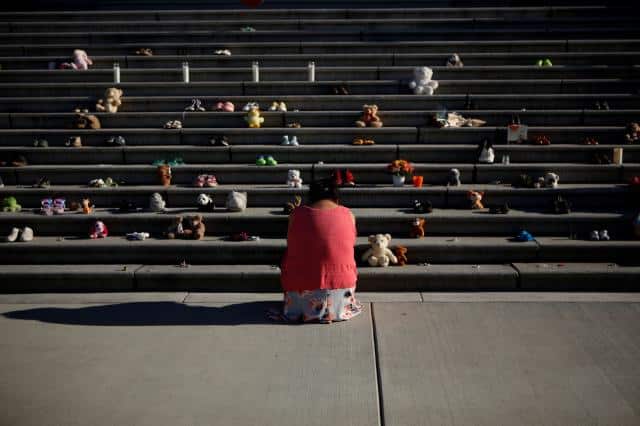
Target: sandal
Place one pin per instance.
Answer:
(116, 140)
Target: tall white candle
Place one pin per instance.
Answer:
(116, 72)
(617, 156)
(255, 72)
(312, 71)
(185, 72)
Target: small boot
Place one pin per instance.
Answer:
(594, 236)
(27, 234)
(604, 235)
(13, 235)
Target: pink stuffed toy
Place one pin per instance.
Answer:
(81, 61)
(99, 230)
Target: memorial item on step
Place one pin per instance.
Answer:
(632, 134)
(219, 141)
(116, 141)
(83, 120)
(456, 120)
(602, 105)
(208, 181)
(266, 161)
(46, 207)
(59, 205)
(222, 52)
(16, 160)
(363, 141)
(128, 206)
(454, 177)
(237, 201)
(23, 235)
(544, 62)
(422, 84)
(516, 131)
(501, 209)
(421, 206)
(400, 170)
(111, 102)
(343, 178)
(602, 235)
(176, 229)
(589, 140)
(205, 203)
(340, 90)
(137, 236)
(173, 124)
(602, 158)
(454, 61)
(157, 203)
(80, 61)
(523, 181)
(74, 141)
(193, 227)
(196, 106)
(523, 236)
(294, 125)
(401, 255)
(290, 206)
(278, 106)
(43, 182)
(417, 228)
(551, 180)
(617, 156)
(10, 204)
(417, 181)
(369, 117)
(561, 205)
(486, 154)
(252, 3)
(224, 106)
(144, 51)
(87, 207)
(250, 105)
(41, 143)
(164, 174)
(98, 230)
(293, 179)
(253, 118)
(290, 142)
(379, 253)
(541, 140)
(475, 197)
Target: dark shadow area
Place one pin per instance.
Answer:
(153, 313)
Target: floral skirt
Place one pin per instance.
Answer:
(323, 305)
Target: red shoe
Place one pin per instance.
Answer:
(635, 181)
(337, 177)
(348, 178)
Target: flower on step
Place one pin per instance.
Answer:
(401, 168)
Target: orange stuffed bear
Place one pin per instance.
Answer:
(369, 117)
(417, 228)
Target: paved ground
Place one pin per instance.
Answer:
(411, 359)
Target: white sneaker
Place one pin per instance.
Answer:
(13, 235)
(294, 141)
(604, 235)
(27, 234)
(285, 140)
(594, 236)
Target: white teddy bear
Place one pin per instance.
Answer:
(293, 179)
(551, 180)
(422, 83)
(379, 253)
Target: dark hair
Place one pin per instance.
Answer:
(323, 189)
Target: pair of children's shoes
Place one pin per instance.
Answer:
(278, 106)
(362, 141)
(137, 236)
(205, 180)
(40, 143)
(341, 178)
(224, 106)
(289, 142)
(196, 105)
(173, 124)
(49, 207)
(219, 141)
(599, 236)
(266, 161)
(546, 62)
(25, 234)
(222, 52)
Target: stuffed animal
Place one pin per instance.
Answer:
(293, 179)
(164, 174)
(10, 204)
(420, 207)
(454, 61)
(112, 100)
(422, 84)
(205, 203)
(485, 152)
(145, 51)
(456, 120)
(379, 254)
(633, 133)
(476, 199)
(253, 118)
(369, 117)
(81, 61)
(84, 120)
(417, 228)
(176, 229)
(194, 229)
(551, 180)
(99, 230)
(292, 205)
(454, 177)
(401, 254)
(156, 203)
(87, 207)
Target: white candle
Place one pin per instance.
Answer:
(312, 71)
(617, 156)
(185, 72)
(255, 72)
(116, 72)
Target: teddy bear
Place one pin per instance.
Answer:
(417, 228)
(454, 177)
(422, 84)
(156, 203)
(176, 229)
(476, 199)
(401, 254)
(98, 230)
(290, 206)
(87, 207)
(633, 133)
(551, 180)
(84, 120)
(194, 229)
(253, 118)
(205, 203)
(81, 61)
(10, 204)
(164, 174)
(379, 254)
(112, 100)
(454, 61)
(369, 117)
(293, 179)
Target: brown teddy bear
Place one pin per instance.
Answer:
(401, 254)
(633, 133)
(369, 117)
(84, 120)
(476, 199)
(164, 174)
(111, 102)
(176, 229)
(194, 230)
(417, 228)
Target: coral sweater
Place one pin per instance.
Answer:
(320, 250)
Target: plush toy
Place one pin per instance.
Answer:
(454, 177)
(551, 180)
(420, 207)
(633, 133)
(401, 254)
(250, 105)
(205, 203)
(156, 203)
(379, 254)
(417, 228)
(112, 100)
(99, 230)
(485, 152)
(422, 84)
(293, 179)
(81, 61)
(456, 120)
(164, 174)
(476, 199)
(144, 51)
(176, 229)
(253, 118)
(84, 120)
(454, 61)
(292, 205)
(87, 207)
(10, 204)
(194, 229)
(369, 117)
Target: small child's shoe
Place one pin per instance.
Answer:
(270, 161)
(294, 141)
(13, 235)
(285, 140)
(604, 235)
(137, 236)
(46, 206)
(260, 161)
(594, 236)
(349, 180)
(59, 205)
(26, 234)
(200, 180)
(524, 236)
(211, 181)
